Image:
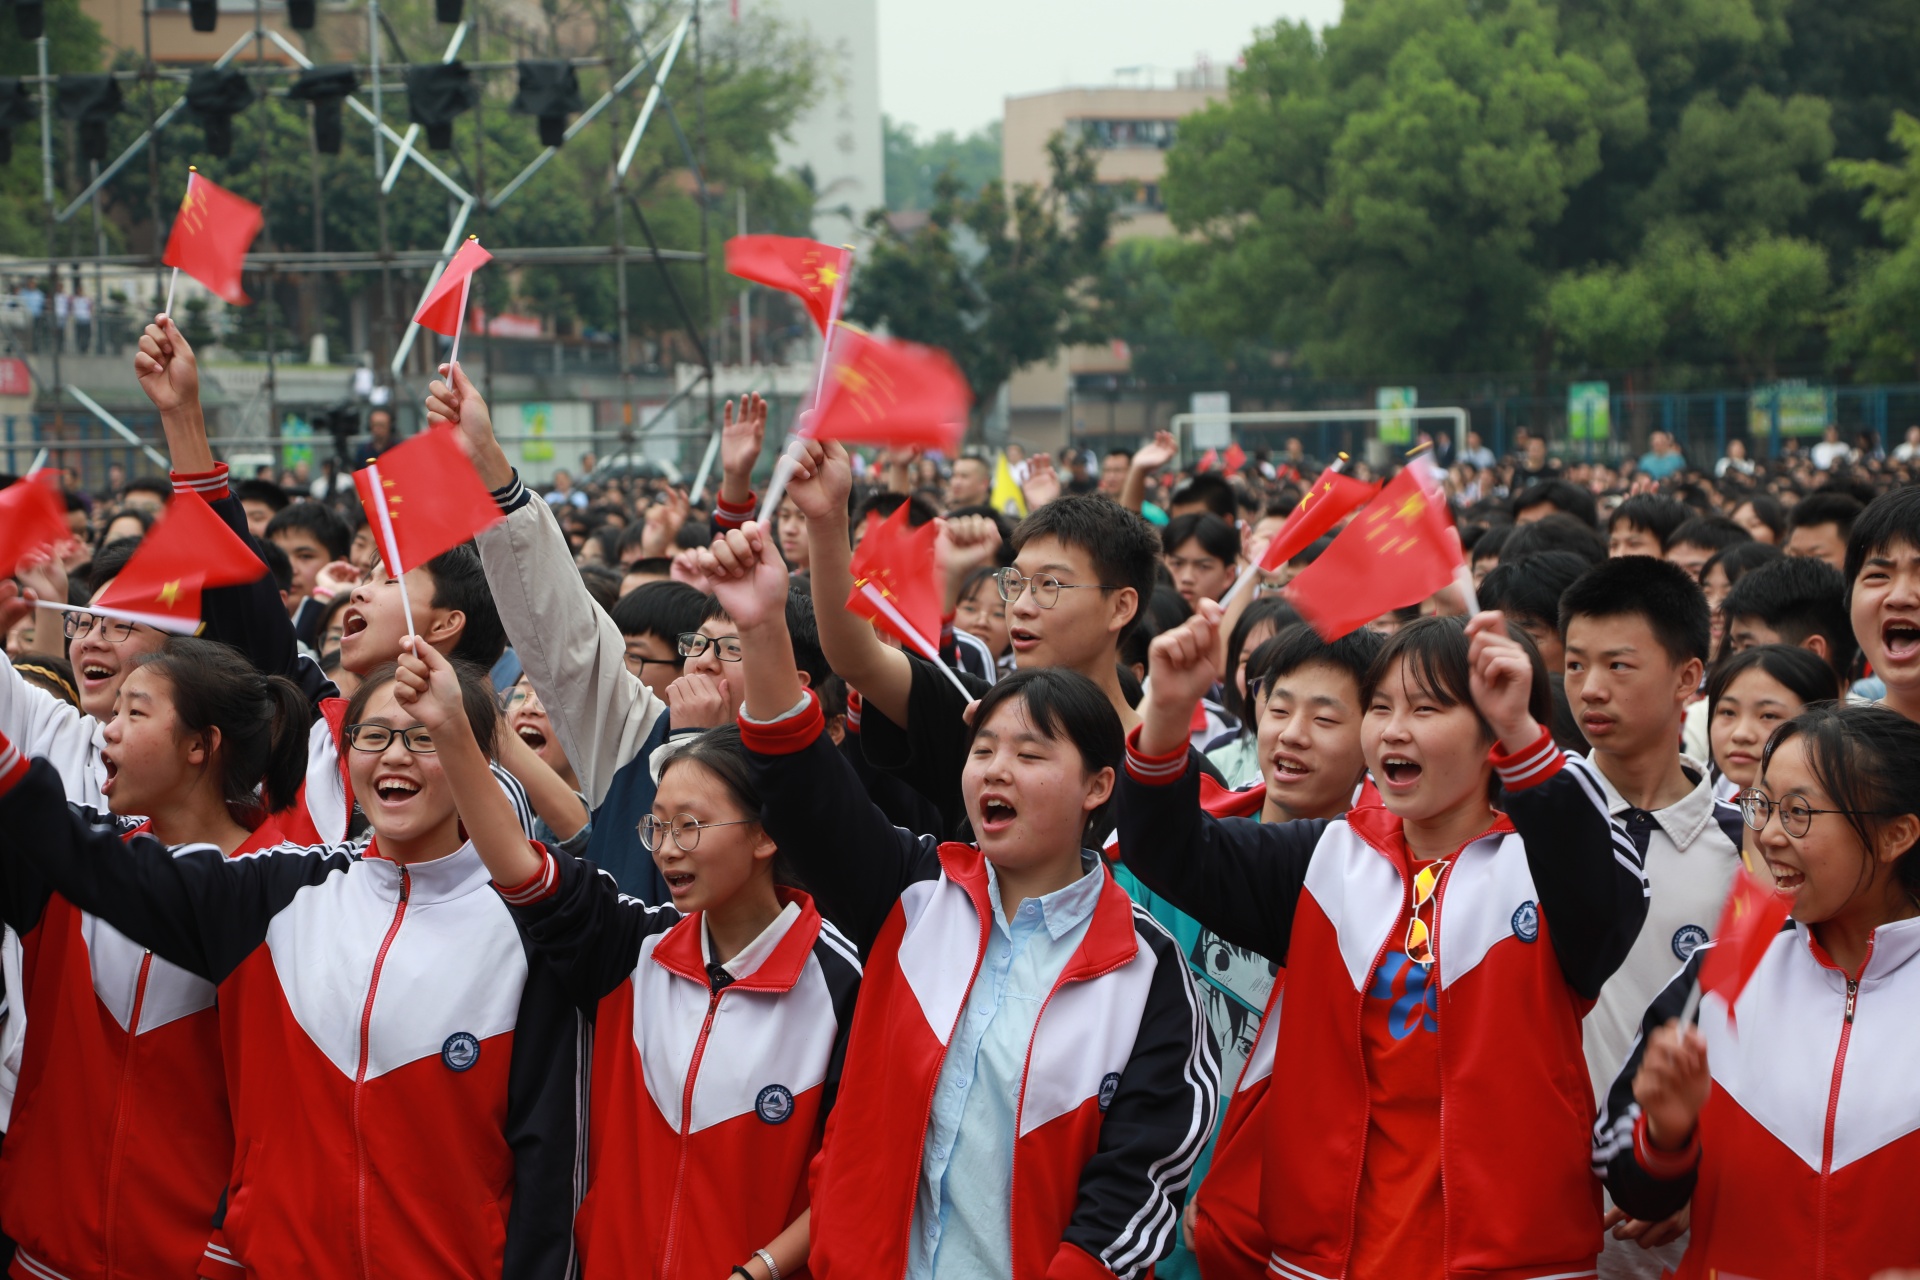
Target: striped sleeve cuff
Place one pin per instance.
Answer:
(512, 495)
(791, 733)
(208, 484)
(535, 888)
(728, 516)
(13, 765)
(854, 703)
(1530, 766)
(1154, 771)
(1665, 1165)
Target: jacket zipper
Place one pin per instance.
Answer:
(360, 1076)
(120, 1110)
(686, 1128)
(1440, 1054)
(1833, 1108)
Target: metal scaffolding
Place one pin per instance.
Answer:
(626, 46)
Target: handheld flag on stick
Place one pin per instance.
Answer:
(1326, 503)
(444, 309)
(1234, 458)
(1007, 497)
(1401, 549)
(801, 268)
(896, 584)
(810, 271)
(188, 550)
(1748, 923)
(32, 520)
(210, 238)
(423, 498)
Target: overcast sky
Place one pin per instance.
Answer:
(947, 64)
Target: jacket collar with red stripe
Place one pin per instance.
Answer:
(679, 951)
(1110, 940)
(1385, 832)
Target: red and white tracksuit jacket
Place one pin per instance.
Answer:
(120, 1141)
(711, 1083)
(1120, 1088)
(1529, 922)
(402, 1071)
(1800, 1165)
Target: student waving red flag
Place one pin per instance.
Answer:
(896, 581)
(422, 498)
(188, 549)
(1399, 551)
(881, 391)
(441, 310)
(1234, 458)
(211, 235)
(807, 269)
(1331, 497)
(31, 519)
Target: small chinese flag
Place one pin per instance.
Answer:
(880, 391)
(1399, 551)
(807, 269)
(1748, 924)
(441, 309)
(1331, 497)
(32, 519)
(432, 498)
(188, 549)
(1235, 458)
(896, 580)
(211, 235)
(1207, 461)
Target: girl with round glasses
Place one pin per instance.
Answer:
(1442, 942)
(399, 1062)
(719, 1021)
(1788, 1120)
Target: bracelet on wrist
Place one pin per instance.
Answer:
(773, 1271)
(742, 1272)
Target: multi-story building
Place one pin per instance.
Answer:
(1130, 128)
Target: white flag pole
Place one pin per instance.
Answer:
(784, 468)
(389, 549)
(459, 325)
(172, 281)
(913, 636)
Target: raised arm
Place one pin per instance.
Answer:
(190, 905)
(852, 859)
(1239, 878)
(571, 650)
(822, 479)
(1591, 879)
(1147, 459)
(742, 436)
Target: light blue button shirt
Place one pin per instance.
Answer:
(963, 1218)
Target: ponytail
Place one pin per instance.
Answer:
(262, 720)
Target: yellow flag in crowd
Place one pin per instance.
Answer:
(1006, 496)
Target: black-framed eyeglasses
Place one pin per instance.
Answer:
(112, 630)
(1046, 588)
(642, 660)
(1796, 815)
(684, 828)
(373, 738)
(727, 648)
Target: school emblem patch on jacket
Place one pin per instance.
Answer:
(774, 1104)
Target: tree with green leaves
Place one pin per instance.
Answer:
(1878, 325)
(913, 166)
(999, 279)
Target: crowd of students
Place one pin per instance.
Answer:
(672, 920)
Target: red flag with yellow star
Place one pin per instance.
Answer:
(188, 549)
(211, 235)
(807, 269)
(1749, 922)
(423, 497)
(882, 391)
(896, 581)
(1398, 551)
(1332, 496)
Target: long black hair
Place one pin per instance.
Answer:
(262, 720)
